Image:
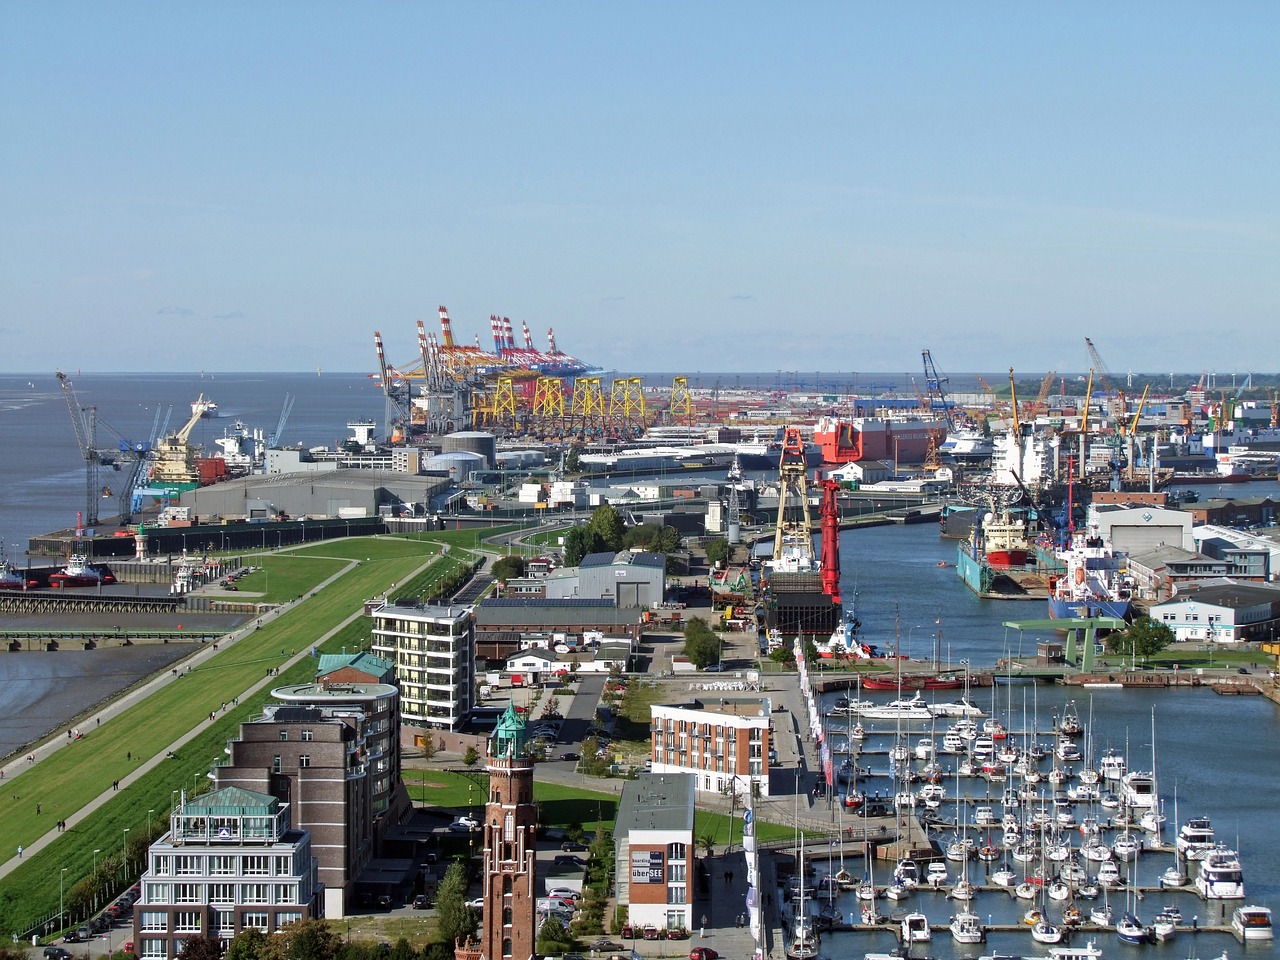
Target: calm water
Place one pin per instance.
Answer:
(1220, 754)
(43, 473)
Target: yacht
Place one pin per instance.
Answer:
(1221, 876)
(1130, 929)
(1112, 765)
(1195, 839)
(913, 709)
(1089, 951)
(1138, 790)
(1252, 923)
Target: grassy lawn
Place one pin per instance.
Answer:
(717, 826)
(633, 710)
(64, 782)
(558, 805)
(286, 576)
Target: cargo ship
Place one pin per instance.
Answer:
(874, 438)
(1095, 583)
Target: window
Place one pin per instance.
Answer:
(255, 919)
(676, 893)
(675, 872)
(188, 866)
(506, 886)
(284, 734)
(162, 866)
(158, 893)
(506, 916)
(304, 760)
(222, 865)
(283, 867)
(676, 851)
(222, 893)
(307, 734)
(506, 946)
(188, 893)
(186, 921)
(288, 917)
(254, 893)
(256, 865)
(153, 921)
(286, 893)
(153, 948)
(224, 922)
(275, 764)
(509, 827)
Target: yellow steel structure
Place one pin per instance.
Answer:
(496, 407)
(586, 406)
(627, 414)
(681, 405)
(548, 398)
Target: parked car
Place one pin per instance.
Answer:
(57, 953)
(651, 933)
(570, 755)
(703, 953)
(476, 904)
(421, 902)
(605, 945)
(572, 846)
(127, 947)
(385, 901)
(464, 823)
(569, 860)
(564, 893)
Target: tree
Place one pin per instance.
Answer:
(701, 645)
(403, 950)
(554, 939)
(1144, 638)
(200, 947)
(717, 551)
(454, 919)
(428, 745)
(248, 944)
(706, 842)
(509, 567)
(309, 939)
(575, 546)
(607, 527)
(471, 757)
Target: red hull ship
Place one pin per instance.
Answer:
(873, 438)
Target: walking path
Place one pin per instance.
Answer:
(135, 696)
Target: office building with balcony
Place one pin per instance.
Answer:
(434, 651)
(725, 745)
(231, 861)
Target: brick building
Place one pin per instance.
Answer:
(725, 745)
(654, 847)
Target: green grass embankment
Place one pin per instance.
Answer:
(66, 781)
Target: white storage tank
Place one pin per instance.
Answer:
(458, 465)
(472, 441)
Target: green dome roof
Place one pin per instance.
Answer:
(510, 738)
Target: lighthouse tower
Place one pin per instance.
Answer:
(510, 894)
(140, 543)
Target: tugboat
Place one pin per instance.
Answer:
(78, 573)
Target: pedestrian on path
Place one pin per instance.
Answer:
(19, 851)
(37, 809)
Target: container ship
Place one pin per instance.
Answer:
(874, 438)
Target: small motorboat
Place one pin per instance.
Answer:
(1130, 929)
(1102, 915)
(966, 927)
(963, 891)
(1004, 878)
(916, 929)
(1165, 924)
(936, 876)
(1109, 874)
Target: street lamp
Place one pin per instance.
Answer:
(97, 850)
(62, 882)
(124, 852)
(149, 813)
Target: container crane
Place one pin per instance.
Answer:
(127, 456)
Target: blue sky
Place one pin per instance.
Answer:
(672, 186)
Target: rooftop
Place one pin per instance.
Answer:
(656, 801)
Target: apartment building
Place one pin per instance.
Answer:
(434, 651)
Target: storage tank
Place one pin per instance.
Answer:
(459, 465)
(472, 441)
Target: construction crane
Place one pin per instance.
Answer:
(935, 386)
(286, 409)
(127, 456)
(1104, 377)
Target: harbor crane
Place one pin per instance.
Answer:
(127, 457)
(935, 387)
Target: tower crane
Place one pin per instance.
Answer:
(1104, 376)
(127, 456)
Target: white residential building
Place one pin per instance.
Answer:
(725, 746)
(434, 652)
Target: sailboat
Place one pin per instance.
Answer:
(804, 941)
(966, 926)
(1176, 875)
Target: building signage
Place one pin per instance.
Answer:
(646, 866)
